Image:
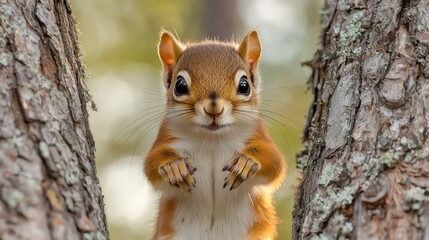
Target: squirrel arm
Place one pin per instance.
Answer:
(259, 158)
(264, 151)
(157, 157)
(165, 163)
(160, 154)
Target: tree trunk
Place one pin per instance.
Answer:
(366, 162)
(48, 183)
(221, 19)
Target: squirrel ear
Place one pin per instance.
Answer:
(250, 48)
(169, 49)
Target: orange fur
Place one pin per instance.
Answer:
(164, 228)
(266, 221)
(159, 155)
(261, 148)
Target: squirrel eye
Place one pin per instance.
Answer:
(181, 87)
(243, 86)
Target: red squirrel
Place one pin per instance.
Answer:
(213, 160)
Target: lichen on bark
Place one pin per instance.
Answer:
(48, 183)
(366, 163)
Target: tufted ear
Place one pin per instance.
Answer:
(250, 49)
(169, 50)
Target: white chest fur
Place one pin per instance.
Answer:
(210, 211)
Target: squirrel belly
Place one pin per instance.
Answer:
(213, 160)
(211, 211)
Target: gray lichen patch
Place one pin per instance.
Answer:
(319, 213)
(351, 31)
(410, 143)
(302, 162)
(341, 226)
(345, 196)
(94, 236)
(319, 237)
(357, 51)
(389, 158)
(325, 202)
(331, 173)
(3, 60)
(415, 198)
(44, 149)
(71, 177)
(12, 197)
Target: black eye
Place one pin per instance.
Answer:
(181, 87)
(243, 86)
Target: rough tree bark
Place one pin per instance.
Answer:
(366, 162)
(48, 183)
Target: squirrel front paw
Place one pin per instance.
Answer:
(179, 173)
(240, 168)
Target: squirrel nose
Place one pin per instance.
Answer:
(213, 114)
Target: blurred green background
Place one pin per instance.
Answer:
(119, 38)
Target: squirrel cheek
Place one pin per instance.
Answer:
(226, 116)
(199, 113)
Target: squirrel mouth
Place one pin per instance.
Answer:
(214, 126)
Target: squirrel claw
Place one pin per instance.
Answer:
(240, 168)
(237, 182)
(179, 173)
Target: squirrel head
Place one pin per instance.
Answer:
(213, 85)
